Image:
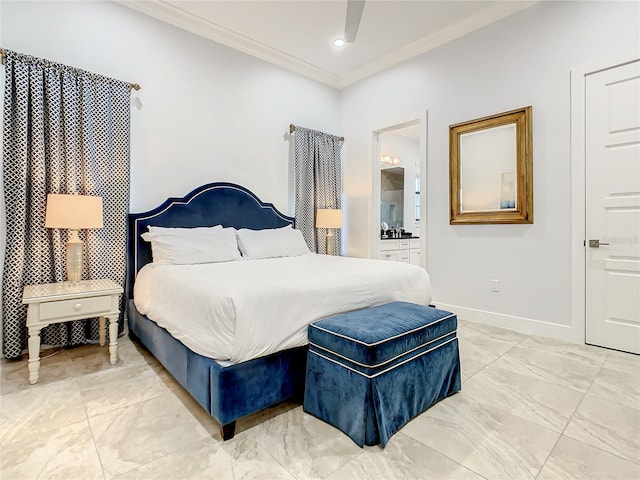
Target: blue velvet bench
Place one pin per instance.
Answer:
(370, 371)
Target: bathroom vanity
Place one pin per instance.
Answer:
(405, 250)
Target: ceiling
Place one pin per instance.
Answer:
(299, 34)
(411, 132)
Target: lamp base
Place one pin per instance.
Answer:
(331, 242)
(74, 258)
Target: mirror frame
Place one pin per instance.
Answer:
(523, 213)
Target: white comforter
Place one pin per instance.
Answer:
(245, 309)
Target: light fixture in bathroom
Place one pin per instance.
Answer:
(388, 160)
(338, 42)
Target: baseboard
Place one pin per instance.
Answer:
(519, 324)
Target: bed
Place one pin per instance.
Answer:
(268, 365)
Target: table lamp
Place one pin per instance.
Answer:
(329, 218)
(73, 212)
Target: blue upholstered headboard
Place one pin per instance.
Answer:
(219, 203)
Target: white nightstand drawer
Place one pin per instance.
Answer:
(81, 306)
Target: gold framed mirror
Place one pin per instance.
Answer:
(490, 169)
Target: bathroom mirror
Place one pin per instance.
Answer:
(490, 169)
(392, 196)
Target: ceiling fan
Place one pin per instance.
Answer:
(352, 23)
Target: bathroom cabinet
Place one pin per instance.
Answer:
(405, 250)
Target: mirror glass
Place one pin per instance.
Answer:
(392, 197)
(487, 169)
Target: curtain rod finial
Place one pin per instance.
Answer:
(134, 86)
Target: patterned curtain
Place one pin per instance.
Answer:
(318, 174)
(65, 131)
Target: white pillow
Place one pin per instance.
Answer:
(271, 243)
(181, 246)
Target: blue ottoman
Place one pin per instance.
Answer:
(370, 371)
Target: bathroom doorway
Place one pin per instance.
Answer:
(399, 196)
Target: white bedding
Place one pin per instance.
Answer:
(246, 309)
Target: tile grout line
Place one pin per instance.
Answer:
(561, 356)
(449, 458)
(77, 378)
(584, 395)
(572, 415)
(499, 356)
(98, 452)
(88, 418)
(445, 455)
(559, 436)
(259, 444)
(280, 463)
(93, 437)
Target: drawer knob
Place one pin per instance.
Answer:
(77, 306)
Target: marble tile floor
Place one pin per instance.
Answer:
(530, 408)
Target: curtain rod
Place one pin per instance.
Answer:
(292, 128)
(3, 56)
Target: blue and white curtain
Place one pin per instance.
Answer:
(65, 130)
(318, 175)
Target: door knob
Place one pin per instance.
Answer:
(596, 243)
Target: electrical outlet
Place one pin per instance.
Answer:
(495, 285)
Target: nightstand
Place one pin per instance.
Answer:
(65, 301)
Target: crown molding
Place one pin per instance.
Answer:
(175, 16)
(452, 32)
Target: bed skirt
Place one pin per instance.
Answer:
(371, 371)
(230, 392)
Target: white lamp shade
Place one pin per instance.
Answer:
(74, 212)
(329, 218)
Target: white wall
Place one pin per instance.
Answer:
(522, 60)
(205, 112)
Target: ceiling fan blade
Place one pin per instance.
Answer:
(354, 14)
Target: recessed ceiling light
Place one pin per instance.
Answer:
(338, 42)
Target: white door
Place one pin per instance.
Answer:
(613, 208)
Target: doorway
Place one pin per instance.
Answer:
(399, 192)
